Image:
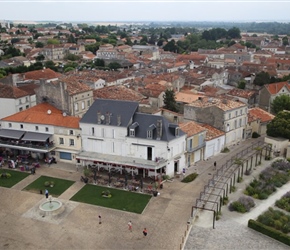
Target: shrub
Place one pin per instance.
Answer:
(190, 178)
(255, 135)
(47, 184)
(165, 177)
(271, 232)
(242, 205)
(87, 172)
(225, 150)
(267, 157)
(5, 175)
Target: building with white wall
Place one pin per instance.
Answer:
(115, 134)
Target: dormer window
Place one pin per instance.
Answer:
(132, 129)
(150, 131)
(177, 130)
(132, 132)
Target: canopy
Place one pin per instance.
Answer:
(32, 136)
(12, 134)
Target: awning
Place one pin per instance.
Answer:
(32, 136)
(10, 133)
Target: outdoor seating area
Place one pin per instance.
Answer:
(125, 181)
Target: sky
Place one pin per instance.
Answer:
(145, 10)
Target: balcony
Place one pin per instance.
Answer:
(192, 149)
(34, 146)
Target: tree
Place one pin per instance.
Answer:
(99, 62)
(280, 103)
(169, 100)
(242, 84)
(280, 125)
(114, 65)
(39, 45)
(262, 78)
(53, 41)
(234, 33)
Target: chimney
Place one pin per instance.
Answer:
(159, 129)
(99, 117)
(108, 118)
(118, 120)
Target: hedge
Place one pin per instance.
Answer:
(269, 231)
(190, 178)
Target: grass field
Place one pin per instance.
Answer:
(60, 185)
(16, 177)
(121, 199)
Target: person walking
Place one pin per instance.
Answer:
(214, 164)
(46, 193)
(100, 219)
(145, 232)
(130, 226)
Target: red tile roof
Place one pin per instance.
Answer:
(211, 132)
(191, 128)
(274, 88)
(11, 92)
(39, 115)
(42, 73)
(262, 115)
(118, 92)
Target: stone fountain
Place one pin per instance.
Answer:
(51, 206)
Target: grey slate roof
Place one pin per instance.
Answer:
(146, 120)
(115, 108)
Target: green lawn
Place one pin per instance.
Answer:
(16, 176)
(122, 200)
(60, 185)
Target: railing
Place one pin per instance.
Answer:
(192, 149)
(37, 145)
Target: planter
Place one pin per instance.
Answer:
(155, 193)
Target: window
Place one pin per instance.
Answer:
(132, 132)
(230, 115)
(36, 128)
(149, 134)
(240, 122)
(27, 107)
(71, 132)
(93, 131)
(236, 113)
(26, 99)
(20, 101)
(236, 124)
(10, 125)
(20, 109)
(71, 142)
(89, 103)
(76, 107)
(83, 105)
(113, 133)
(61, 141)
(46, 129)
(241, 112)
(21, 125)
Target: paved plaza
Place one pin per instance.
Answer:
(22, 226)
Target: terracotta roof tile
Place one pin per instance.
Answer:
(42, 73)
(11, 92)
(39, 115)
(118, 92)
(274, 88)
(191, 128)
(211, 132)
(262, 115)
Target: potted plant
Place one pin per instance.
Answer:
(51, 184)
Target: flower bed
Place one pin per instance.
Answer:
(284, 202)
(242, 205)
(269, 179)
